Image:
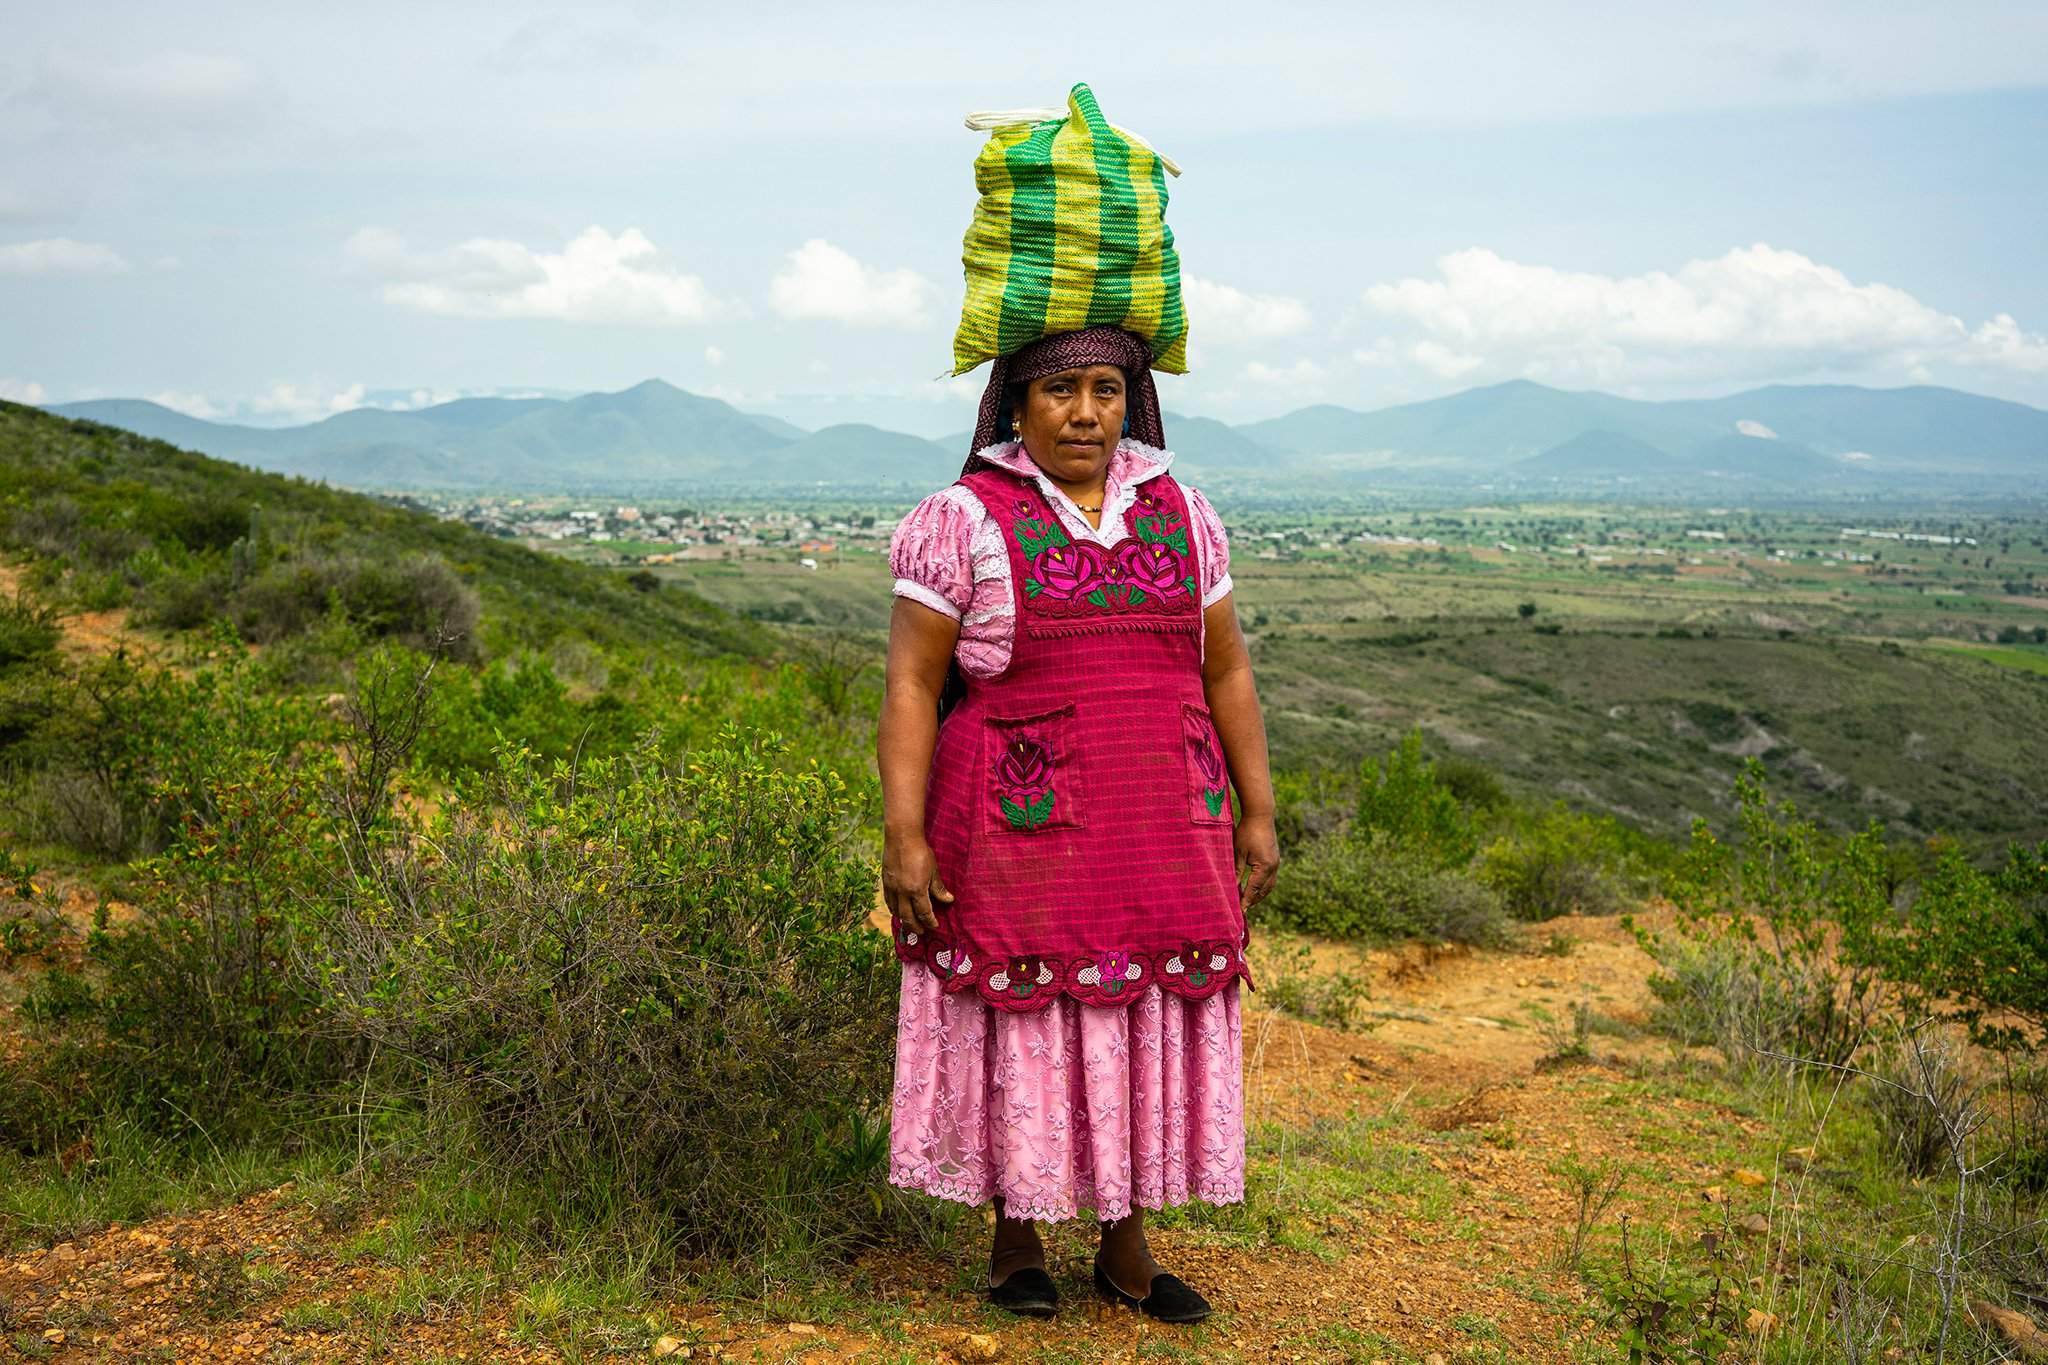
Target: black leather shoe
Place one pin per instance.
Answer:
(1169, 1300)
(1029, 1292)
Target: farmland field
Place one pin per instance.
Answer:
(1623, 658)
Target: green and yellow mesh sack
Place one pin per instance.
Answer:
(1070, 232)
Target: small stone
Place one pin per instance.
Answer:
(1714, 1194)
(64, 1251)
(1756, 1225)
(1434, 1358)
(672, 1346)
(978, 1346)
(1745, 1176)
(143, 1279)
(55, 1336)
(803, 1329)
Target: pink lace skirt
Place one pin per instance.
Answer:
(1069, 1107)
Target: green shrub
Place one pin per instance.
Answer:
(1403, 797)
(416, 598)
(1771, 949)
(641, 984)
(28, 630)
(1376, 888)
(181, 601)
(1556, 861)
(1971, 943)
(209, 1016)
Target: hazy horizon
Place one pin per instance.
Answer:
(263, 216)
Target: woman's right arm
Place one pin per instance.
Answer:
(920, 648)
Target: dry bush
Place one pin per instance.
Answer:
(643, 985)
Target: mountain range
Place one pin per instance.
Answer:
(654, 435)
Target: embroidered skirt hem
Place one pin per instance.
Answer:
(1070, 1107)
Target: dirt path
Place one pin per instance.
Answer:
(1404, 1208)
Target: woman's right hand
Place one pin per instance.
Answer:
(910, 881)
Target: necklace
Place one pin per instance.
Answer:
(1086, 508)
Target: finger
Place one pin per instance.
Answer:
(921, 908)
(939, 891)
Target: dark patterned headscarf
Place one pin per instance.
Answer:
(1066, 351)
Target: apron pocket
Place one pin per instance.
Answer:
(1033, 779)
(1208, 775)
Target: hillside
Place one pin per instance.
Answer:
(89, 500)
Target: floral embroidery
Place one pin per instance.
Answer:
(1113, 971)
(1209, 766)
(1153, 563)
(1024, 775)
(1037, 535)
(1021, 976)
(1195, 963)
(944, 957)
(1063, 572)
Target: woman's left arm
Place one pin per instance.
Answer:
(1234, 705)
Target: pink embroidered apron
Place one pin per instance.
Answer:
(1079, 805)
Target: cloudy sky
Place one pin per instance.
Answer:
(268, 213)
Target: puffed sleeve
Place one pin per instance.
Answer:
(1215, 552)
(932, 557)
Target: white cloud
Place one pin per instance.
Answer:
(1755, 312)
(191, 404)
(60, 256)
(1443, 362)
(2000, 341)
(1751, 427)
(597, 277)
(283, 404)
(1223, 313)
(1302, 374)
(714, 355)
(824, 281)
(22, 391)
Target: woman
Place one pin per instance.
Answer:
(1063, 859)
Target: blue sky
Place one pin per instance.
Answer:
(273, 212)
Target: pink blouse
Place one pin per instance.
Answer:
(948, 555)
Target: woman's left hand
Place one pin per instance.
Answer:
(1258, 858)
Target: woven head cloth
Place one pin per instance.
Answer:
(1069, 351)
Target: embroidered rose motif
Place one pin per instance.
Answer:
(1021, 976)
(1116, 970)
(1209, 764)
(1063, 572)
(1196, 963)
(1024, 780)
(1151, 565)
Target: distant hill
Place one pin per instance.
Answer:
(853, 452)
(1607, 454)
(655, 433)
(1767, 458)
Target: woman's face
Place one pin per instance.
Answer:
(1070, 421)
